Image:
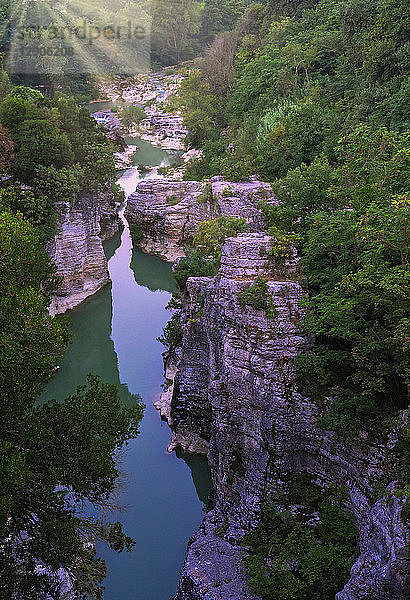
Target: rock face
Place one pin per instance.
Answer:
(160, 127)
(234, 392)
(167, 213)
(77, 248)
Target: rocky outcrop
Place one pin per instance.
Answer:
(166, 214)
(77, 248)
(234, 390)
(160, 127)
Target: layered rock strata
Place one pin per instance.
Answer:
(234, 392)
(153, 92)
(77, 248)
(166, 214)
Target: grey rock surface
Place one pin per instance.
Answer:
(168, 212)
(77, 248)
(234, 388)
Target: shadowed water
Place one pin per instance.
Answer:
(115, 335)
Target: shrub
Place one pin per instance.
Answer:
(39, 210)
(291, 560)
(194, 265)
(131, 115)
(40, 143)
(172, 332)
(212, 234)
(258, 296)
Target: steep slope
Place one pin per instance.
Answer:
(234, 393)
(77, 248)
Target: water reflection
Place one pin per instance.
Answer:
(115, 336)
(152, 272)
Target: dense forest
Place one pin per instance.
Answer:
(310, 96)
(313, 97)
(316, 103)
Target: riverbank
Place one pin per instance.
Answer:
(115, 336)
(151, 92)
(84, 224)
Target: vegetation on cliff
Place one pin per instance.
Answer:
(53, 147)
(305, 553)
(312, 97)
(54, 457)
(204, 258)
(316, 104)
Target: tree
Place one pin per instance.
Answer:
(26, 93)
(132, 115)
(211, 235)
(6, 151)
(39, 142)
(174, 27)
(356, 264)
(37, 209)
(5, 84)
(55, 456)
(14, 111)
(199, 108)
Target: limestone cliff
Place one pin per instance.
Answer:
(77, 248)
(234, 393)
(166, 214)
(160, 127)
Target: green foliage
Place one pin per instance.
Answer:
(57, 184)
(26, 93)
(198, 107)
(119, 194)
(57, 456)
(259, 297)
(38, 210)
(131, 115)
(303, 491)
(211, 235)
(40, 143)
(204, 259)
(302, 192)
(97, 168)
(282, 248)
(206, 196)
(194, 265)
(174, 30)
(56, 144)
(93, 425)
(356, 265)
(298, 83)
(334, 70)
(172, 332)
(13, 111)
(288, 559)
(30, 342)
(294, 136)
(5, 84)
(6, 151)
(173, 200)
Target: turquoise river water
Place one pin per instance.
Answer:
(115, 336)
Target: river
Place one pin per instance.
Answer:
(115, 336)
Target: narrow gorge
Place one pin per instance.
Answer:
(232, 396)
(231, 391)
(204, 300)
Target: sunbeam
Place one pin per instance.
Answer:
(74, 36)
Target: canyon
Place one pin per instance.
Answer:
(231, 394)
(234, 397)
(230, 388)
